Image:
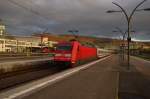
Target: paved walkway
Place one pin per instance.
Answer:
(135, 82)
(98, 82)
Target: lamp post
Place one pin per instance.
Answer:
(128, 18)
(123, 34)
(74, 32)
(123, 37)
(41, 36)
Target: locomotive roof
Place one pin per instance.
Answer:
(65, 43)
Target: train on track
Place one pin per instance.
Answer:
(74, 53)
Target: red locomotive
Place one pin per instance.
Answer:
(73, 53)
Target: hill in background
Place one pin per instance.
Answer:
(107, 43)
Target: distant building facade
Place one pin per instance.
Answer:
(2, 28)
(23, 44)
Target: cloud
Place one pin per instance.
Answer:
(88, 16)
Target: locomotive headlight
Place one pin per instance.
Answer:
(67, 55)
(57, 54)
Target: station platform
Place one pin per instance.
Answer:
(10, 64)
(96, 82)
(21, 58)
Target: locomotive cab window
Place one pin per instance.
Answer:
(64, 47)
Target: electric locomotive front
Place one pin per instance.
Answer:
(63, 52)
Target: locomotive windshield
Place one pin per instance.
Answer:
(64, 47)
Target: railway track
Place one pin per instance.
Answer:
(13, 79)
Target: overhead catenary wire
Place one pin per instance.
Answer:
(28, 9)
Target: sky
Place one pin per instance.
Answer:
(89, 17)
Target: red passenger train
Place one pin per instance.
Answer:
(73, 53)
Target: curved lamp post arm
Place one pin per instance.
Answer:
(122, 33)
(124, 11)
(135, 9)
